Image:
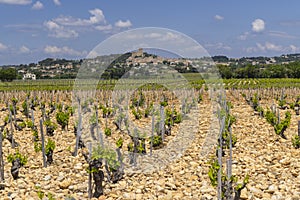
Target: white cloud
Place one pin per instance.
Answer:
(218, 46)
(123, 24)
(281, 34)
(258, 25)
(104, 28)
(57, 2)
(16, 2)
(96, 18)
(244, 36)
(54, 50)
(58, 31)
(37, 6)
(219, 17)
(24, 49)
(268, 46)
(2, 47)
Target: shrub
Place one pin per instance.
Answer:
(30, 124)
(108, 154)
(50, 127)
(296, 141)
(271, 117)
(50, 146)
(119, 143)
(107, 131)
(62, 119)
(157, 140)
(37, 146)
(17, 155)
(137, 113)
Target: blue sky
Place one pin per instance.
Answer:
(32, 30)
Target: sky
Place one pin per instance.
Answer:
(32, 30)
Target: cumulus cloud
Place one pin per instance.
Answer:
(96, 18)
(59, 31)
(54, 50)
(219, 17)
(24, 49)
(2, 47)
(16, 2)
(258, 25)
(37, 6)
(123, 24)
(57, 2)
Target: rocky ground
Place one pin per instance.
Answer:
(271, 162)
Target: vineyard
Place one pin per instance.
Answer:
(150, 143)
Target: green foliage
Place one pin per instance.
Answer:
(255, 101)
(62, 119)
(137, 113)
(164, 102)
(8, 74)
(292, 106)
(25, 108)
(35, 133)
(50, 196)
(59, 107)
(6, 119)
(70, 110)
(130, 147)
(93, 119)
(107, 131)
(283, 125)
(119, 142)
(213, 172)
(139, 101)
(30, 124)
(13, 157)
(93, 170)
(260, 110)
(37, 146)
(148, 110)
(296, 141)
(40, 194)
(22, 125)
(241, 185)
(226, 138)
(281, 102)
(157, 140)
(50, 124)
(200, 98)
(271, 117)
(140, 148)
(172, 117)
(50, 146)
(108, 154)
(106, 111)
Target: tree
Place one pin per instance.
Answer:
(8, 74)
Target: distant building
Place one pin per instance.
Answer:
(29, 76)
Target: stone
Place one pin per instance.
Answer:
(60, 178)
(271, 189)
(65, 184)
(102, 198)
(47, 178)
(78, 166)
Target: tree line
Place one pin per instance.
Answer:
(291, 70)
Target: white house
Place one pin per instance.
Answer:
(29, 76)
